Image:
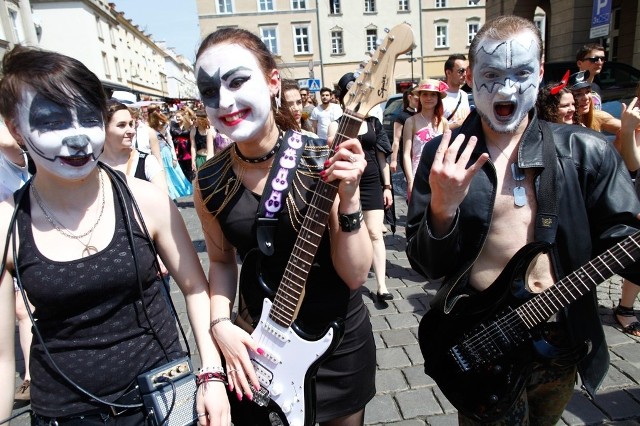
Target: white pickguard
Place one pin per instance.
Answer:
(283, 367)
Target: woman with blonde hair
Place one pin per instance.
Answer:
(177, 183)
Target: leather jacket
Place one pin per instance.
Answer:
(597, 204)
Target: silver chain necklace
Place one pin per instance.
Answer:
(88, 249)
(519, 193)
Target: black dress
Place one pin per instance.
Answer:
(373, 141)
(346, 380)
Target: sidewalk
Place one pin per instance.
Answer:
(405, 395)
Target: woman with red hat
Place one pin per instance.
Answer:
(426, 124)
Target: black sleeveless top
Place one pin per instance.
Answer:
(200, 140)
(89, 312)
(327, 297)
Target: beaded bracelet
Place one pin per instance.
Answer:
(211, 377)
(218, 320)
(216, 369)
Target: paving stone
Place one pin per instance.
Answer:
(618, 404)
(392, 358)
(398, 337)
(379, 323)
(390, 381)
(418, 402)
(416, 377)
(402, 320)
(414, 354)
(581, 411)
(443, 420)
(381, 409)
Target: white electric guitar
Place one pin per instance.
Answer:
(288, 367)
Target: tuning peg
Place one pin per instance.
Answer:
(379, 41)
(386, 30)
(371, 52)
(356, 74)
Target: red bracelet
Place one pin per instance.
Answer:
(211, 377)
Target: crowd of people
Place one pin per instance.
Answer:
(89, 181)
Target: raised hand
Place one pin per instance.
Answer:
(450, 178)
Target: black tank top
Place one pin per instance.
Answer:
(200, 139)
(89, 312)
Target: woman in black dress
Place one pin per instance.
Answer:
(240, 86)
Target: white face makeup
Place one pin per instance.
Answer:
(234, 91)
(65, 141)
(506, 75)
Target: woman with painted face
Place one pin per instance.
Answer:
(240, 87)
(119, 152)
(79, 250)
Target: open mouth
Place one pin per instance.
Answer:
(76, 160)
(504, 110)
(236, 117)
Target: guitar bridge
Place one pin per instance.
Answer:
(457, 354)
(260, 397)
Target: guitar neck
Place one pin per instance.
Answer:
(580, 282)
(288, 299)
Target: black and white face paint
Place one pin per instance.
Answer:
(65, 141)
(506, 76)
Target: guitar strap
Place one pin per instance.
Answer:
(276, 189)
(546, 225)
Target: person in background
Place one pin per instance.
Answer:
(324, 113)
(94, 310)
(556, 104)
(375, 184)
(13, 174)
(466, 220)
(292, 99)
(202, 135)
(410, 102)
(144, 140)
(177, 184)
(227, 196)
(180, 133)
(423, 126)
(591, 57)
(456, 101)
(307, 108)
(119, 152)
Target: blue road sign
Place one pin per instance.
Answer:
(314, 85)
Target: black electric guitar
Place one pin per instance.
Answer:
(287, 369)
(481, 353)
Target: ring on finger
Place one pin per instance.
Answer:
(352, 158)
(231, 370)
(202, 414)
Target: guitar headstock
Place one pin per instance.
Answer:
(372, 85)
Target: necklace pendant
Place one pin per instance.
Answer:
(89, 250)
(519, 196)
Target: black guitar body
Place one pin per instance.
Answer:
(455, 346)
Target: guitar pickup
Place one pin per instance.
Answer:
(264, 375)
(275, 332)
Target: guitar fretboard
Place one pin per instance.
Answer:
(289, 295)
(492, 340)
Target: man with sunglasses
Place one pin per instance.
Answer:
(456, 103)
(591, 57)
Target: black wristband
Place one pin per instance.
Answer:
(350, 222)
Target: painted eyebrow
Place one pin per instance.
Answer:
(229, 73)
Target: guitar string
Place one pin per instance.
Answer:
(511, 319)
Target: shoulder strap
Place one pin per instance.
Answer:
(140, 168)
(276, 189)
(457, 105)
(546, 225)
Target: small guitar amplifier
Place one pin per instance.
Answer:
(171, 384)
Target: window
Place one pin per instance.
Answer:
(337, 45)
(269, 37)
(118, 70)
(334, 7)
(301, 39)
(99, 28)
(472, 30)
(112, 35)
(369, 6)
(403, 5)
(105, 64)
(265, 5)
(225, 6)
(16, 25)
(298, 4)
(441, 3)
(442, 39)
(372, 37)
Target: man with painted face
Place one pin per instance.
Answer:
(89, 272)
(477, 197)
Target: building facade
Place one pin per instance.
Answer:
(16, 25)
(324, 39)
